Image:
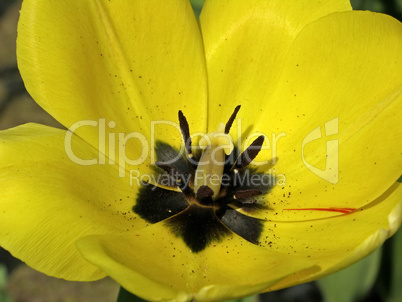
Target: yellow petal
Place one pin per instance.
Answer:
(246, 43)
(48, 201)
(234, 267)
(336, 242)
(342, 81)
(156, 265)
(129, 62)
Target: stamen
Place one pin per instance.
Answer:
(247, 193)
(250, 153)
(204, 192)
(185, 130)
(231, 119)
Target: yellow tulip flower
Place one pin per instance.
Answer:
(304, 173)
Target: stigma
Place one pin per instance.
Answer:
(216, 146)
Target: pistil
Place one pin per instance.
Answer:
(210, 168)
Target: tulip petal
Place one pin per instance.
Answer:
(337, 107)
(310, 250)
(336, 242)
(48, 201)
(156, 265)
(128, 62)
(246, 43)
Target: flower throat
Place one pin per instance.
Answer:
(214, 186)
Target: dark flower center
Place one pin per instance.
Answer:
(213, 184)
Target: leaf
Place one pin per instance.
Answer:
(353, 282)
(197, 6)
(3, 277)
(3, 281)
(395, 293)
(247, 299)
(125, 296)
(373, 5)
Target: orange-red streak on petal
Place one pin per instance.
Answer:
(340, 210)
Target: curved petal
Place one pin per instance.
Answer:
(222, 271)
(129, 62)
(336, 242)
(49, 199)
(339, 100)
(246, 43)
(228, 269)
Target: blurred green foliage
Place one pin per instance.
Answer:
(389, 281)
(395, 291)
(254, 298)
(3, 281)
(390, 7)
(372, 5)
(126, 296)
(197, 6)
(354, 282)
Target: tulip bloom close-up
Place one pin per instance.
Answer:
(251, 150)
